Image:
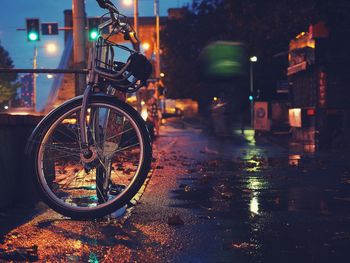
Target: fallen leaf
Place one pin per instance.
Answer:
(175, 220)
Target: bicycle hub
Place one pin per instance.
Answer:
(88, 155)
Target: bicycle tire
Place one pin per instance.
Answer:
(41, 146)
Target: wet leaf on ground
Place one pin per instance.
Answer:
(340, 236)
(128, 171)
(226, 195)
(204, 179)
(206, 208)
(44, 224)
(277, 200)
(20, 254)
(243, 245)
(188, 189)
(175, 220)
(207, 217)
(191, 171)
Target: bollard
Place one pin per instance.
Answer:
(15, 176)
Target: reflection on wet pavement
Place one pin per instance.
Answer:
(211, 200)
(276, 206)
(254, 204)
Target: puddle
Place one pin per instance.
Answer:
(284, 198)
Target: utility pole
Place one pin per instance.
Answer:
(35, 66)
(136, 21)
(79, 39)
(252, 60)
(137, 47)
(156, 13)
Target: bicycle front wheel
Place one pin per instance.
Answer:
(119, 164)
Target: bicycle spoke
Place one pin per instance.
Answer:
(119, 134)
(125, 148)
(75, 184)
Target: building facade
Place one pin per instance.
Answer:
(319, 92)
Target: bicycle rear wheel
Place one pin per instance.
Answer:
(120, 161)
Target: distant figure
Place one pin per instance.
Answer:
(242, 122)
(154, 113)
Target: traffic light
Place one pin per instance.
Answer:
(250, 97)
(93, 28)
(33, 29)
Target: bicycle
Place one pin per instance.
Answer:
(92, 154)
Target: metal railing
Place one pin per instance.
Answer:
(76, 72)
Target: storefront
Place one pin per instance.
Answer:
(318, 91)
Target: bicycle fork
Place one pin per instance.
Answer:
(93, 141)
(86, 151)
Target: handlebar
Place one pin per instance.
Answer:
(107, 4)
(101, 3)
(127, 29)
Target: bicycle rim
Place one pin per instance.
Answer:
(74, 186)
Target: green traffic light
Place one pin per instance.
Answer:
(33, 36)
(250, 97)
(93, 35)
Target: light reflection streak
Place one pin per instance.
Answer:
(254, 204)
(255, 185)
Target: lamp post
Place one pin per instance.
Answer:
(136, 27)
(79, 42)
(156, 13)
(34, 77)
(135, 4)
(136, 21)
(51, 48)
(252, 60)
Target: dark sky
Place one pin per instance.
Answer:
(14, 12)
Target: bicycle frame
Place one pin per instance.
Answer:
(92, 83)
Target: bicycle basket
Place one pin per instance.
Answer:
(127, 76)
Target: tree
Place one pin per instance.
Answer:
(8, 85)
(266, 27)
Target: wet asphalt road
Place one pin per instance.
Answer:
(210, 200)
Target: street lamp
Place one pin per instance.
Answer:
(156, 13)
(252, 60)
(127, 2)
(146, 46)
(136, 16)
(51, 48)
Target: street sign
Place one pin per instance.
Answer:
(322, 90)
(49, 29)
(261, 121)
